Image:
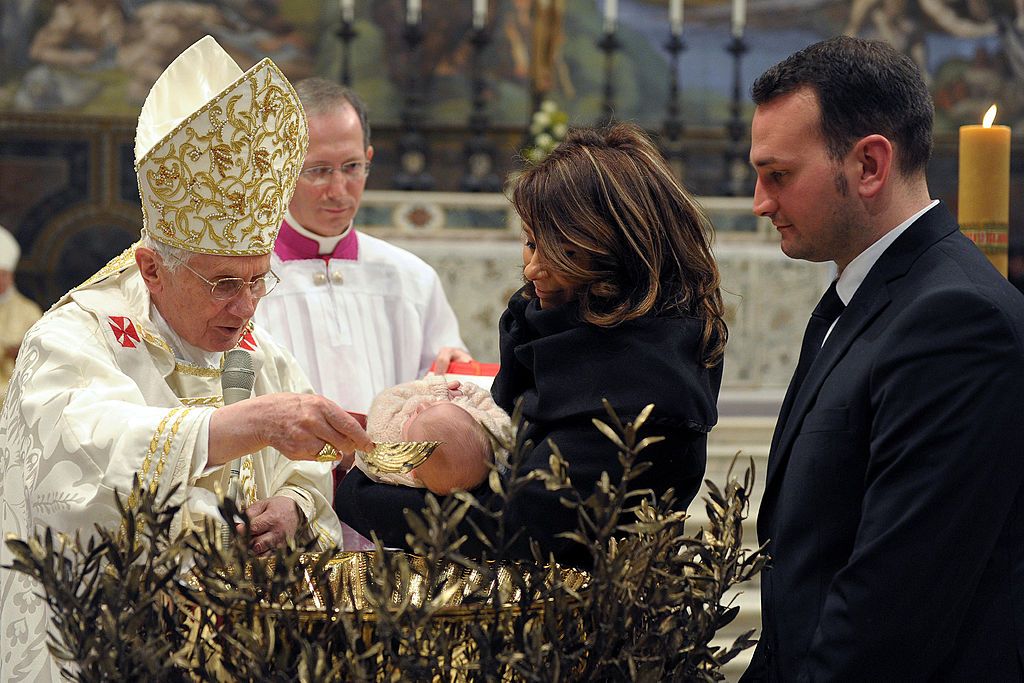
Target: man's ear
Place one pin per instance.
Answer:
(874, 155)
(151, 268)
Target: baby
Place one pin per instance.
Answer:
(436, 409)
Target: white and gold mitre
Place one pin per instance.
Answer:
(217, 153)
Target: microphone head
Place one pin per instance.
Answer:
(238, 376)
(238, 358)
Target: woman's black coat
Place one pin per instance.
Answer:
(561, 368)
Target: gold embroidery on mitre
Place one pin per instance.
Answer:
(220, 181)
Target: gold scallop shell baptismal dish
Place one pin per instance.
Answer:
(399, 457)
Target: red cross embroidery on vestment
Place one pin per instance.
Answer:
(124, 331)
(247, 342)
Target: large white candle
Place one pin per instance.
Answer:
(348, 10)
(412, 12)
(479, 13)
(984, 188)
(739, 17)
(675, 16)
(611, 15)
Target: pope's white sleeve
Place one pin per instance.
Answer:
(84, 429)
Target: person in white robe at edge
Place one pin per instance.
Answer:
(17, 312)
(122, 376)
(361, 315)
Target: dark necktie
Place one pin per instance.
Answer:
(822, 317)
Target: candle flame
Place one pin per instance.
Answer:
(990, 116)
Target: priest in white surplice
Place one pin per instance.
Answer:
(122, 376)
(360, 315)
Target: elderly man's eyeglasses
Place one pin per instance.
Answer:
(322, 175)
(226, 288)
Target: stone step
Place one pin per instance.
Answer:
(731, 430)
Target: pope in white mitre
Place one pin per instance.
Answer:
(122, 377)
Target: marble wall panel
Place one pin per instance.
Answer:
(768, 299)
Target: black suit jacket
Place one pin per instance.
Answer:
(893, 505)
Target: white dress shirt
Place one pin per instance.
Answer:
(853, 275)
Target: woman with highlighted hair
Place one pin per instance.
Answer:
(621, 302)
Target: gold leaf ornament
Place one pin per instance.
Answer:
(222, 158)
(165, 176)
(261, 159)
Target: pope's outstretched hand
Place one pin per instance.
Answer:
(297, 425)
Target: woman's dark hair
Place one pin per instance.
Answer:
(641, 243)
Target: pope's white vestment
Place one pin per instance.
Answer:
(97, 397)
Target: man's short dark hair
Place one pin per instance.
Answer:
(864, 87)
(321, 96)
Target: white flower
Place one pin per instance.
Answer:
(535, 154)
(548, 127)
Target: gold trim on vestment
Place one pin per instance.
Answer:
(247, 481)
(147, 461)
(113, 266)
(198, 371)
(323, 538)
(154, 443)
(167, 449)
(156, 341)
(215, 401)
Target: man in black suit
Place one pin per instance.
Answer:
(893, 508)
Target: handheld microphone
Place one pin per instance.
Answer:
(236, 382)
(237, 377)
